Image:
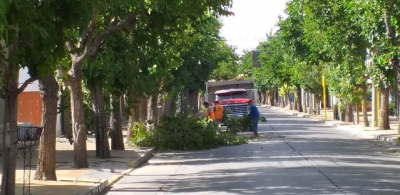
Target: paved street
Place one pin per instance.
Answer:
(305, 157)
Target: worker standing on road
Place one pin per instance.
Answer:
(209, 111)
(218, 112)
(255, 117)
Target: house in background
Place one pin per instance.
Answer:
(30, 106)
(29, 101)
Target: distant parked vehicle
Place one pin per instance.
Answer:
(232, 95)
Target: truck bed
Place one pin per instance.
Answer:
(220, 85)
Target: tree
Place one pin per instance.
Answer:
(93, 31)
(80, 49)
(199, 59)
(226, 69)
(30, 39)
(379, 22)
(115, 70)
(274, 72)
(152, 15)
(245, 65)
(324, 33)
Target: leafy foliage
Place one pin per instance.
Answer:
(203, 51)
(263, 119)
(184, 133)
(392, 108)
(228, 68)
(238, 124)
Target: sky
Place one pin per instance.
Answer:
(253, 20)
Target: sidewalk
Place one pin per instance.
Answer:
(101, 173)
(359, 130)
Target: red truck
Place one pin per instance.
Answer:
(232, 95)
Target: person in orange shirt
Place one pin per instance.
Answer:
(209, 111)
(218, 112)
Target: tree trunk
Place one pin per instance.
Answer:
(161, 107)
(384, 116)
(46, 167)
(272, 97)
(117, 138)
(335, 110)
(173, 107)
(318, 103)
(343, 116)
(276, 94)
(78, 122)
(131, 120)
(134, 115)
(358, 114)
(9, 140)
(304, 105)
(289, 101)
(311, 103)
(364, 102)
(168, 108)
(349, 113)
(123, 107)
(142, 110)
(393, 62)
(100, 120)
(65, 119)
(283, 100)
(155, 102)
(264, 101)
(193, 101)
(314, 104)
(154, 108)
(299, 100)
(136, 112)
(259, 96)
(185, 102)
(9, 150)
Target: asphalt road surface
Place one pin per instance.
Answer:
(303, 157)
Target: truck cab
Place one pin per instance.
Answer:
(234, 101)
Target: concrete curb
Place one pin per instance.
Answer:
(392, 139)
(98, 189)
(104, 184)
(387, 138)
(114, 180)
(137, 163)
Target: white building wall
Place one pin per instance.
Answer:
(23, 76)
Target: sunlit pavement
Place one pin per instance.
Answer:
(306, 157)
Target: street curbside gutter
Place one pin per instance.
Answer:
(105, 184)
(98, 189)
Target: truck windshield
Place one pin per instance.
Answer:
(233, 95)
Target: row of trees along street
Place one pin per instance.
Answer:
(354, 44)
(149, 52)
